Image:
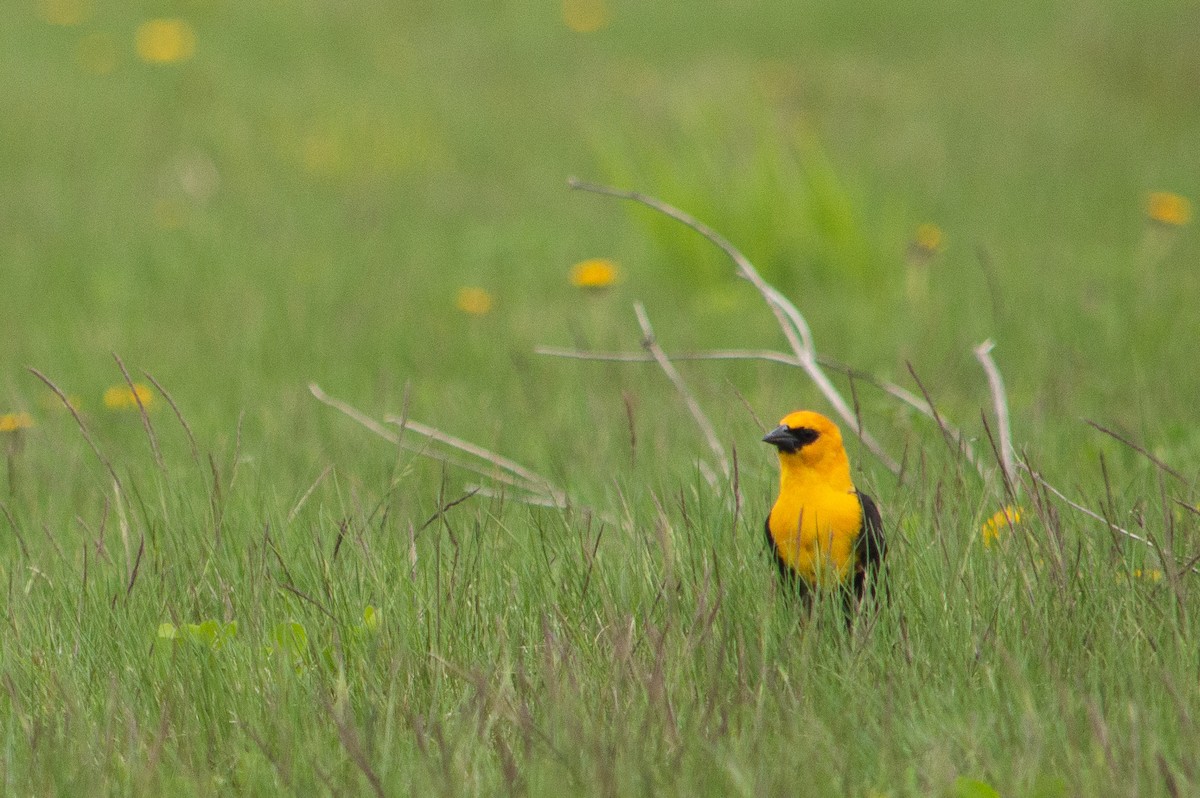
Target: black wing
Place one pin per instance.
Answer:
(870, 547)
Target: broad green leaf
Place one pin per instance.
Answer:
(974, 788)
(370, 618)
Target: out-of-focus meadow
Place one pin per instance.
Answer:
(248, 592)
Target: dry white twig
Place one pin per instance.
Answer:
(536, 482)
(645, 357)
(504, 470)
(1091, 513)
(983, 353)
(706, 427)
(791, 322)
(771, 356)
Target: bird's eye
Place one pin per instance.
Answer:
(804, 435)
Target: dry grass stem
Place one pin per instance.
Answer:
(791, 321)
(304, 499)
(706, 427)
(62, 397)
(178, 415)
(772, 356)
(142, 412)
(1092, 513)
(504, 470)
(983, 353)
(536, 483)
(1140, 450)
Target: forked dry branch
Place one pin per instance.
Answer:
(532, 487)
(791, 322)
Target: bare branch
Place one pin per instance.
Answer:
(503, 470)
(79, 421)
(1091, 513)
(771, 356)
(673, 375)
(745, 268)
(791, 322)
(1157, 462)
(983, 353)
(646, 357)
(535, 483)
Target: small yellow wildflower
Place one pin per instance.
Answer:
(594, 273)
(991, 529)
(1149, 574)
(474, 301)
(121, 397)
(97, 54)
(1169, 209)
(14, 422)
(65, 12)
(586, 16)
(165, 41)
(929, 238)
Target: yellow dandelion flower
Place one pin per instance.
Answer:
(929, 238)
(1169, 209)
(14, 422)
(594, 273)
(97, 54)
(122, 397)
(1149, 574)
(586, 16)
(475, 301)
(165, 41)
(991, 529)
(65, 12)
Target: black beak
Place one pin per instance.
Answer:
(782, 438)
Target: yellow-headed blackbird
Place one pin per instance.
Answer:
(822, 532)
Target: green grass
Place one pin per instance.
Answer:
(302, 200)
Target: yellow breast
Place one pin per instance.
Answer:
(814, 531)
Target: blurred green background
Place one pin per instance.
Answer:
(302, 195)
(238, 198)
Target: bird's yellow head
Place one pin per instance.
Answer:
(808, 442)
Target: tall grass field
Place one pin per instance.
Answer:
(215, 583)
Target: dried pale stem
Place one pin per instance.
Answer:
(771, 356)
(79, 421)
(533, 484)
(745, 268)
(304, 499)
(142, 412)
(1091, 513)
(178, 415)
(983, 353)
(791, 322)
(646, 357)
(1140, 450)
(706, 427)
